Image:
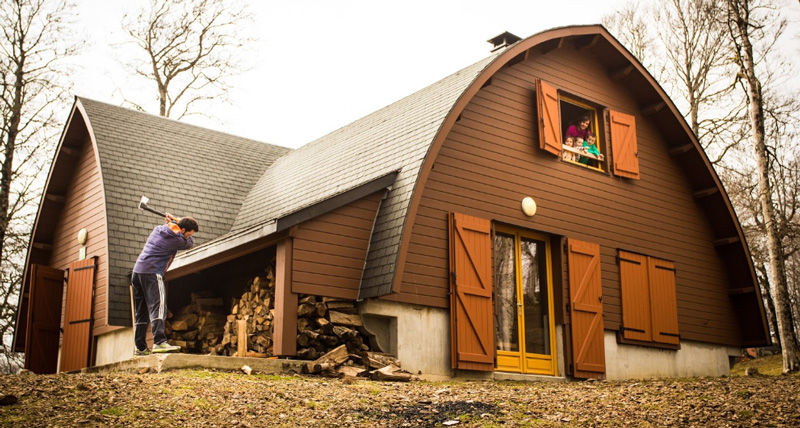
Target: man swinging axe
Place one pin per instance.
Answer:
(149, 294)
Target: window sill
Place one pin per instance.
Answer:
(658, 345)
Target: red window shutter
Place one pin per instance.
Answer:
(586, 309)
(471, 308)
(549, 118)
(624, 146)
(78, 316)
(663, 301)
(633, 273)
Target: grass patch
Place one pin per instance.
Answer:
(771, 365)
(113, 411)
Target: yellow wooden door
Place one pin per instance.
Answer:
(525, 330)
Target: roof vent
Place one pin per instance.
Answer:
(503, 40)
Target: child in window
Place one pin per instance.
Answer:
(566, 154)
(590, 146)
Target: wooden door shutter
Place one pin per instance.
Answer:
(625, 150)
(549, 118)
(634, 283)
(44, 319)
(586, 309)
(471, 308)
(663, 301)
(78, 316)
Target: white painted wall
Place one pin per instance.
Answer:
(423, 335)
(114, 346)
(693, 359)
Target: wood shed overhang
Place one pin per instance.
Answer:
(239, 243)
(654, 104)
(76, 130)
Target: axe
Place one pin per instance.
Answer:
(143, 206)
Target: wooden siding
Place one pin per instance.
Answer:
(490, 160)
(84, 208)
(330, 250)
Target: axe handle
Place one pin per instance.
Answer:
(146, 208)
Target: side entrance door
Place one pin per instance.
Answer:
(526, 339)
(78, 316)
(44, 319)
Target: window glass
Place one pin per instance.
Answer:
(535, 300)
(507, 324)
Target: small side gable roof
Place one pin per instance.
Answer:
(182, 168)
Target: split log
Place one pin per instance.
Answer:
(351, 371)
(328, 361)
(377, 360)
(390, 373)
(340, 318)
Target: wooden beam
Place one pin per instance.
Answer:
(653, 108)
(681, 150)
(42, 246)
(726, 241)
(552, 45)
(740, 291)
(59, 199)
(285, 327)
(621, 72)
(583, 44)
(69, 151)
(700, 194)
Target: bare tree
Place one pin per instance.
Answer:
(695, 44)
(744, 19)
(630, 24)
(192, 47)
(34, 41)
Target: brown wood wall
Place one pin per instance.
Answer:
(490, 161)
(329, 250)
(84, 208)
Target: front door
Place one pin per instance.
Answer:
(524, 323)
(44, 319)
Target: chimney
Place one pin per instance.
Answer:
(503, 40)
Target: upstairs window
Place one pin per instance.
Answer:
(580, 126)
(576, 131)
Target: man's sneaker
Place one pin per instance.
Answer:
(165, 347)
(138, 353)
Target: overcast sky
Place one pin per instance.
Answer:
(319, 65)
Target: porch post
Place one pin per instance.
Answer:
(285, 322)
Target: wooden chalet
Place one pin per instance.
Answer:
(632, 264)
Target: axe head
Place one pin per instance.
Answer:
(143, 202)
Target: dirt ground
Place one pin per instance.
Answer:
(204, 398)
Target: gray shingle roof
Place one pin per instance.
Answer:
(183, 169)
(395, 138)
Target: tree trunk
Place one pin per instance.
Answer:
(10, 146)
(777, 268)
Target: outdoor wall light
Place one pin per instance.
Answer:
(83, 235)
(528, 206)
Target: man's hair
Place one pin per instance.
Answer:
(189, 224)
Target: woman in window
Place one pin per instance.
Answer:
(579, 129)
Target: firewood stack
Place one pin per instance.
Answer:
(325, 323)
(257, 308)
(198, 326)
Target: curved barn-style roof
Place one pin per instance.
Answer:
(405, 137)
(240, 190)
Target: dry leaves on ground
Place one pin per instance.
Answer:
(204, 398)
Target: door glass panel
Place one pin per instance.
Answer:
(505, 274)
(535, 298)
